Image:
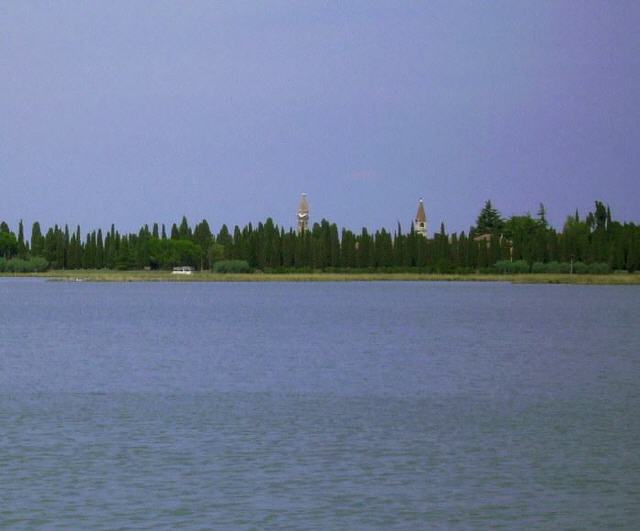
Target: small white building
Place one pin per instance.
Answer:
(182, 270)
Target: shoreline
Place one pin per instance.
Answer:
(206, 276)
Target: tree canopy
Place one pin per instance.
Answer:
(594, 239)
(489, 220)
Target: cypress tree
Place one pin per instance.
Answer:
(49, 247)
(422, 251)
(454, 252)
(78, 248)
(89, 255)
(65, 247)
(237, 248)
(483, 255)
(184, 231)
(203, 238)
(71, 256)
(123, 261)
(99, 250)
(175, 233)
(22, 248)
(37, 240)
(362, 249)
(334, 246)
(633, 255)
(542, 216)
(463, 251)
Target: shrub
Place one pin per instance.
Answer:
(539, 267)
(599, 268)
(559, 267)
(580, 268)
(39, 264)
(231, 266)
(18, 265)
(551, 267)
(508, 267)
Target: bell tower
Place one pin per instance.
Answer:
(303, 214)
(420, 223)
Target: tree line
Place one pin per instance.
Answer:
(493, 243)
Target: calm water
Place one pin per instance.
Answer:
(319, 406)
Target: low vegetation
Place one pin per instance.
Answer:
(520, 267)
(17, 265)
(231, 266)
(93, 275)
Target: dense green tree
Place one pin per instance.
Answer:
(8, 244)
(203, 238)
(37, 240)
(542, 216)
(124, 259)
(489, 220)
(595, 240)
(99, 250)
(175, 232)
(22, 246)
(215, 253)
(522, 231)
(184, 231)
(165, 254)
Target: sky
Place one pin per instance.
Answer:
(133, 112)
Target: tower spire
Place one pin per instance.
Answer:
(420, 223)
(303, 214)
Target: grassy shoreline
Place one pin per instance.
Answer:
(206, 276)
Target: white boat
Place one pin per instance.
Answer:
(183, 270)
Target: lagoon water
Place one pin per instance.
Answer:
(319, 406)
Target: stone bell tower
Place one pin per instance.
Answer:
(303, 214)
(420, 223)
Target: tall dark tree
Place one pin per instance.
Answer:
(203, 238)
(37, 240)
(99, 250)
(175, 233)
(184, 231)
(489, 220)
(22, 246)
(542, 216)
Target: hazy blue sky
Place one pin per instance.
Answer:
(133, 112)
